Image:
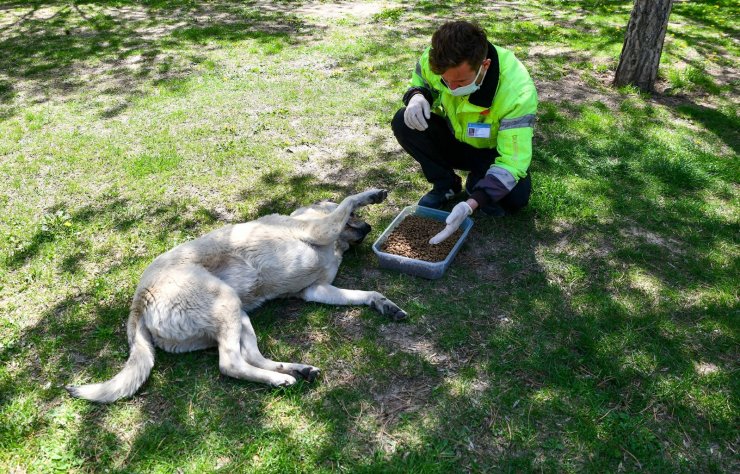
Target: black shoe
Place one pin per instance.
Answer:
(436, 198)
(493, 210)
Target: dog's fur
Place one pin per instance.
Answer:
(198, 294)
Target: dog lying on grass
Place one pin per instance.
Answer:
(198, 294)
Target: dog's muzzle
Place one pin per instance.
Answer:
(356, 231)
(365, 229)
(362, 232)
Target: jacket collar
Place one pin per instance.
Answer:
(483, 97)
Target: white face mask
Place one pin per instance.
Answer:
(468, 89)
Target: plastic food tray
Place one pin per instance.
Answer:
(412, 266)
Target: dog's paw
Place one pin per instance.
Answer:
(388, 308)
(372, 196)
(379, 196)
(282, 380)
(397, 314)
(308, 373)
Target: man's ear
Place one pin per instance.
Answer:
(486, 64)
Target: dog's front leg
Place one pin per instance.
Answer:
(330, 294)
(325, 230)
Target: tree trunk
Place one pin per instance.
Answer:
(643, 44)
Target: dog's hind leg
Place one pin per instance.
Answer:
(251, 353)
(325, 230)
(230, 359)
(231, 363)
(329, 294)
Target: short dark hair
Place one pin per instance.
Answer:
(457, 42)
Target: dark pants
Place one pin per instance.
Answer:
(439, 153)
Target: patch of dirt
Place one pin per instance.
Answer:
(349, 323)
(330, 162)
(411, 239)
(223, 214)
(116, 70)
(313, 160)
(488, 261)
(417, 340)
(632, 232)
(579, 242)
(479, 259)
(573, 90)
(705, 368)
(340, 373)
(409, 339)
(334, 10)
(400, 397)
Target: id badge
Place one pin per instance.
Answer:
(479, 130)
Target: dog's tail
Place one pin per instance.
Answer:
(131, 377)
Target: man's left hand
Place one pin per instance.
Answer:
(453, 221)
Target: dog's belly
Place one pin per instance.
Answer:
(286, 270)
(177, 330)
(186, 345)
(179, 308)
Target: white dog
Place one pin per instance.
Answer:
(198, 294)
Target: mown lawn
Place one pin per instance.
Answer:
(595, 331)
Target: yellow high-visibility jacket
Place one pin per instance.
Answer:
(506, 100)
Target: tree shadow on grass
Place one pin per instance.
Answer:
(712, 14)
(568, 363)
(583, 355)
(649, 239)
(579, 367)
(54, 49)
(574, 373)
(290, 192)
(725, 126)
(85, 331)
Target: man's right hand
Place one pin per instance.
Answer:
(453, 221)
(417, 113)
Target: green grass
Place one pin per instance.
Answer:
(595, 331)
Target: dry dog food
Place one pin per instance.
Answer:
(411, 239)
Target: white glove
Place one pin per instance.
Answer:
(453, 221)
(417, 109)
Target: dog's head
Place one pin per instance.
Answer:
(353, 233)
(355, 230)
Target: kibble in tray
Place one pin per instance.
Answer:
(404, 244)
(411, 239)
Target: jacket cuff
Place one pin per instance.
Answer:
(417, 90)
(481, 197)
(493, 185)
